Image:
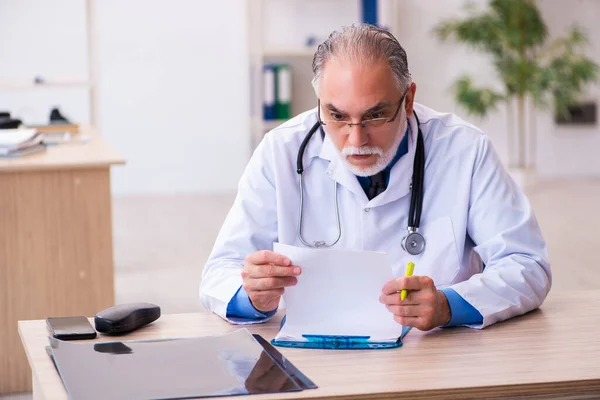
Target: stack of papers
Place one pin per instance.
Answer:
(337, 295)
(19, 142)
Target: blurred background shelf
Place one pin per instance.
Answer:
(272, 124)
(290, 52)
(6, 86)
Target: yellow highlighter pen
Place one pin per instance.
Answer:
(410, 268)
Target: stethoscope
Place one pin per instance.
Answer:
(413, 242)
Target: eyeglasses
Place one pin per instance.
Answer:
(370, 123)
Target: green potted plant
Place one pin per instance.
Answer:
(532, 68)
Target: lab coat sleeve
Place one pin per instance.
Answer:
(516, 277)
(250, 225)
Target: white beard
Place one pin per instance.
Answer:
(383, 159)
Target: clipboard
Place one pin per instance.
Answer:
(341, 342)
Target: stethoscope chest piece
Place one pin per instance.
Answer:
(413, 243)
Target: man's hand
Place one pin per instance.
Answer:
(265, 275)
(424, 307)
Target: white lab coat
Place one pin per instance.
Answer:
(472, 212)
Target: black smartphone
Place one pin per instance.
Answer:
(71, 328)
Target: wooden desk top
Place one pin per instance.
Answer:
(97, 152)
(550, 351)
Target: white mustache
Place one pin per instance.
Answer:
(361, 151)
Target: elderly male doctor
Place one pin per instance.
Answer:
(484, 258)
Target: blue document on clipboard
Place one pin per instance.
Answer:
(335, 304)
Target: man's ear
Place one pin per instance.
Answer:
(410, 99)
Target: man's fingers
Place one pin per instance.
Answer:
(413, 297)
(270, 270)
(405, 311)
(268, 257)
(266, 296)
(261, 284)
(408, 283)
(394, 299)
(408, 321)
(420, 323)
(266, 300)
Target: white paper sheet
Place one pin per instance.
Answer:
(338, 294)
(16, 137)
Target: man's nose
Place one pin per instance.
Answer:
(357, 136)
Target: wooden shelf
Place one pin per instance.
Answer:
(4, 86)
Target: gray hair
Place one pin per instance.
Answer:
(362, 44)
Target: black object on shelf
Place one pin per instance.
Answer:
(56, 118)
(6, 122)
(579, 114)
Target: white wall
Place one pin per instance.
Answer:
(47, 39)
(174, 93)
(287, 23)
(571, 151)
(40, 37)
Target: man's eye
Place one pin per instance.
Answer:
(337, 116)
(376, 115)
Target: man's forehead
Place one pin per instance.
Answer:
(348, 82)
(338, 67)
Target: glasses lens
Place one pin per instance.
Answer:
(343, 126)
(336, 126)
(374, 123)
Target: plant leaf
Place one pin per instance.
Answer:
(476, 101)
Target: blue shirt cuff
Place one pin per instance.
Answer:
(240, 307)
(463, 313)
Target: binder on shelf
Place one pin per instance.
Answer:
(369, 11)
(269, 92)
(283, 98)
